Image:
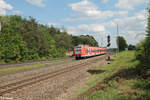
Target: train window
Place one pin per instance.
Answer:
(78, 50)
(86, 51)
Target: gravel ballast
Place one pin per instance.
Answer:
(62, 87)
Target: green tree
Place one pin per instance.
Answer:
(147, 49)
(121, 43)
(63, 40)
(84, 39)
(25, 39)
(38, 39)
(131, 47)
(12, 47)
(141, 51)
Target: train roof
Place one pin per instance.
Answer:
(87, 46)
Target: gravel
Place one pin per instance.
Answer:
(64, 87)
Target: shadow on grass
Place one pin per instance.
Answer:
(141, 73)
(109, 59)
(95, 71)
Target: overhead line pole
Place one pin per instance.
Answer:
(101, 41)
(117, 37)
(0, 26)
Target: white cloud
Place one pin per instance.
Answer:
(130, 23)
(136, 22)
(98, 31)
(88, 10)
(129, 4)
(4, 7)
(92, 28)
(17, 12)
(104, 1)
(52, 24)
(38, 3)
(87, 28)
(130, 27)
(72, 30)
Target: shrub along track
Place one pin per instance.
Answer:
(35, 79)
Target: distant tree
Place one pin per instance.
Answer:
(84, 39)
(131, 47)
(121, 43)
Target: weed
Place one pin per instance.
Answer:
(124, 79)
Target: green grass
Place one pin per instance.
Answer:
(16, 69)
(124, 79)
(8, 70)
(103, 95)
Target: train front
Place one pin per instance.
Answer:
(77, 52)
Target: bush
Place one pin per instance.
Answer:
(141, 51)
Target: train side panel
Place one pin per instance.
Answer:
(87, 51)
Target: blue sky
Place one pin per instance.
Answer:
(98, 18)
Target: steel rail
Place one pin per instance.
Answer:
(35, 79)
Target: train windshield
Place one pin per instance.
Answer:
(77, 49)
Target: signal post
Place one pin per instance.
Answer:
(108, 45)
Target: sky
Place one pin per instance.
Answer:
(98, 18)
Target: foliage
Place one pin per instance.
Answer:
(128, 79)
(84, 39)
(140, 51)
(23, 39)
(12, 47)
(131, 47)
(143, 48)
(121, 43)
(63, 40)
(147, 45)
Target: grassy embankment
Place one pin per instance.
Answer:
(124, 79)
(29, 67)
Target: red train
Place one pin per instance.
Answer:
(83, 51)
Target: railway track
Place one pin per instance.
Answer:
(35, 79)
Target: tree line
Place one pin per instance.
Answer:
(24, 39)
(143, 48)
